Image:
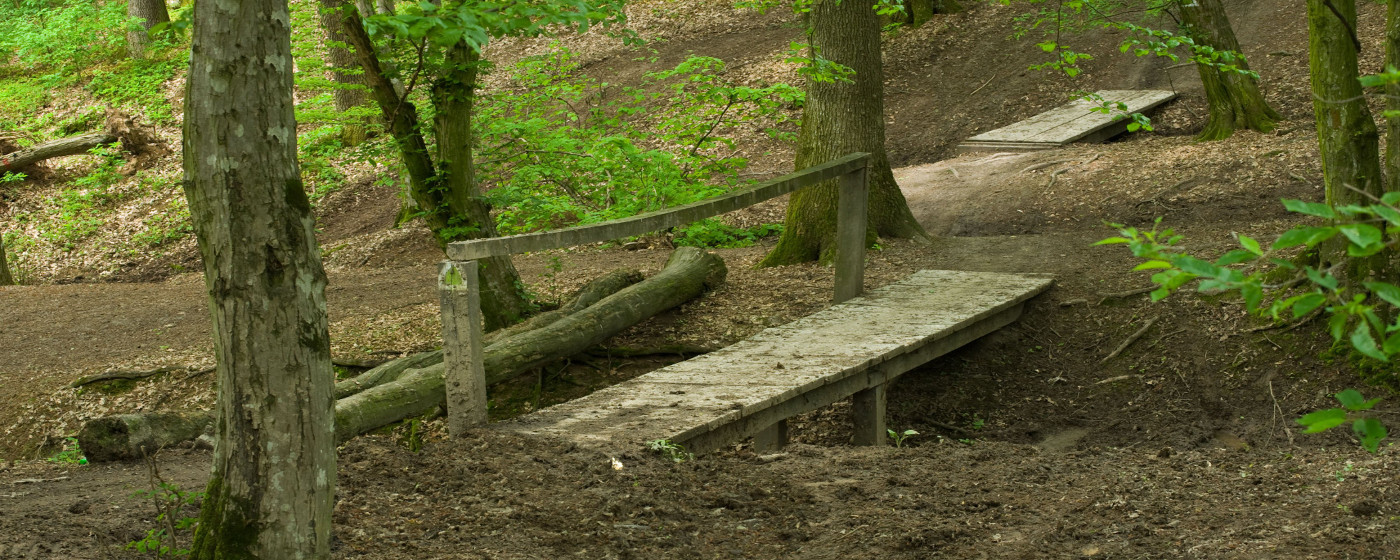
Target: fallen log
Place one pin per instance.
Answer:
(688, 273)
(418, 390)
(72, 145)
(591, 293)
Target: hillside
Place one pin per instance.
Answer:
(1031, 444)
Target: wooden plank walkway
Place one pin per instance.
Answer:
(756, 384)
(1074, 122)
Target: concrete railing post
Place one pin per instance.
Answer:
(464, 373)
(850, 235)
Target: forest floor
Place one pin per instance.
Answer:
(1031, 443)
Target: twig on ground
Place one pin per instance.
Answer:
(1131, 339)
(1056, 176)
(1127, 294)
(123, 374)
(951, 428)
(1039, 166)
(984, 84)
(1115, 379)
(1278, 411)
(1288, 325)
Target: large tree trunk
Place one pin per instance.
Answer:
(344, 70)
(71, 146)
(1392, 98)
(151, 13)
(1234, 98)
(415, 386)
(5, 278)
(272, 486)
(448, 196)
(840, 118)
(1346, 132)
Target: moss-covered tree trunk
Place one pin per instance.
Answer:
(840, 118)
(344, 70)
(5, 278)
(1392, 98)
(1234, 98)
(445, 190)
(273, 481)
(1346, 132)
(150, 13)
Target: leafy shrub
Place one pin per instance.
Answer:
(62, 37)
(136, 83)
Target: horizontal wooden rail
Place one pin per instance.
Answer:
(658, 220)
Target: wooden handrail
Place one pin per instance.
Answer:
(658, 220)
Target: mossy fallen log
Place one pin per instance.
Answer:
(417, 387)
(70, 146)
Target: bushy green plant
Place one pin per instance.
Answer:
(56, 39)
(558, 149)
(135, 83)
(715, 233)
(70, 454)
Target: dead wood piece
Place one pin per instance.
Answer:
(1131, 339)
(1055, 176)
(72, 145)
(688, 273)
(128, 436)
(358, 363)
(1043, 165)
(136, 138)
(1117, 379)
(386, 373)
(123, 374)
(1127, 294)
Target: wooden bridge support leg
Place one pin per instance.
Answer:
(771, 439)
(461, 346)
(868, 414)
(851, 226)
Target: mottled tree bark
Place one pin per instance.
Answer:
(1346, 132)
(271, 490)
(1392, 98)
(151, 13)
(445, 190)
(344, 70)
(5, 278)
(840, 118)
(1234, 98)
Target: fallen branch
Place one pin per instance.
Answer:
(1127, 294)
(1131, 339)
(1056, 176)
(1039, 166)
(123, 374)
(72, 145)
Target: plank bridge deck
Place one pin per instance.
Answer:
(1074, 122)
(727, 395)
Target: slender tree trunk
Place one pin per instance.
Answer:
(151, 13)
(271, 490)
(1346, 132)
(5, 278)
(344, 70)
(840, 118)
(1392, 98)
(1234, 98)
(446, 191)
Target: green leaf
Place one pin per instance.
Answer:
(1370, 431)
(1253, 294)
(1350, 398)
(1337, 325)
(1361, 235)
(1305, 303)
(1235, 257)
(1197, 266)
(1386, 291)
(1318, 209)
(1306, 235)
(1391, 198)
(1251, 245)
(1364, 343)
(1323, 420)
(1320, 278)
(1112, 241)
(1390, 214)
(1150, 265)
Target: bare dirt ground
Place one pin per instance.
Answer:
(1030, 445)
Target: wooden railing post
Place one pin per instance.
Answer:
(850, 235)
(464, 373)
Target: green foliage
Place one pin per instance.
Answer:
(1366, 317)
(171, 522)
(77, 211)
(135, 83)
(58, 39)
(714, 233)
(900, 437)
(20, 99)
(1118, 110)
(1368, 429)
(558, 149)
(70, 454)
(670, 450)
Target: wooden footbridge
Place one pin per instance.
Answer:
(852, 349)
(1077, 121)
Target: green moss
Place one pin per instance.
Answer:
(227, 526)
